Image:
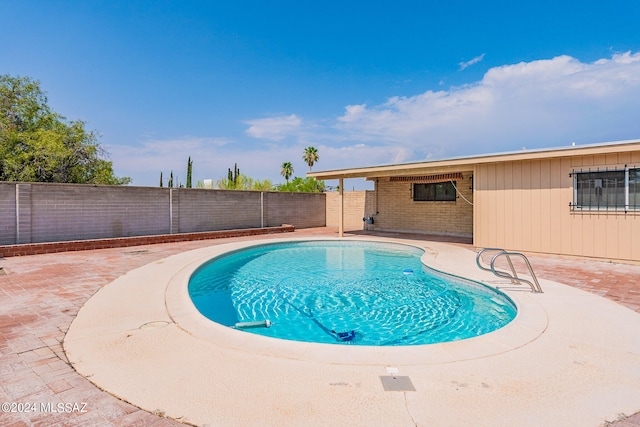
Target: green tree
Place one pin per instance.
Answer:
(232, 182)
(170, 184)
(243, 182)
(264, 185)
(39, 145)
(303, 185)
(237, 181)
(310, 156)
(189, 172)
(161, 180)
(286, 170)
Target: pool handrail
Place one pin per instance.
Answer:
(535, 285)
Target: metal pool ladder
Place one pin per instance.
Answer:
(535, 285)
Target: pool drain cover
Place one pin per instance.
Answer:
(396, 383)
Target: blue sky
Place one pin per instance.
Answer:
(365, 82)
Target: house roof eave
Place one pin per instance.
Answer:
(462, 164)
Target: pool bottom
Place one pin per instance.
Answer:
(394, 301)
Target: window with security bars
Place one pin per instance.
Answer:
(607, 190)
(634, 189)
(434, 192)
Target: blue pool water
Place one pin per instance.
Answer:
(358, 293)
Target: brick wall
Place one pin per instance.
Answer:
(357, 205)
(122, 242)
(398, 211)
(37, 212)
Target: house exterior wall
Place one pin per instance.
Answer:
(397, 211)
(525, 206)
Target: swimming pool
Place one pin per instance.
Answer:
(358, 293)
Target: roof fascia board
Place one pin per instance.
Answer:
(467, 163)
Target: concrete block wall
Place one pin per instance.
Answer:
(357, 205)
(23, 213)
(78, 212)
(7, 213)
(39, 212)
(304, 210)
(197, 210)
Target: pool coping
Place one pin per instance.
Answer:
(530, 322)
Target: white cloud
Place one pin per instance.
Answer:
(144, 161)
(475, 60)
(536, 104)
(163, 152)
(357, 155)
(541, 103)
(274, 128)
(211, 158)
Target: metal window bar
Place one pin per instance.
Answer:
(634, 188)
(606, 190)
(626, 186)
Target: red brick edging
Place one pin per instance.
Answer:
(120, 242)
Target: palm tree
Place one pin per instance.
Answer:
(286, 170)
(310, 156)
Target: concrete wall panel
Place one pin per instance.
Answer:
(37, 212)
(7, 213)
(304, 210)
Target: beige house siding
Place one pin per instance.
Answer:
(397, 211)
(524, 205)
